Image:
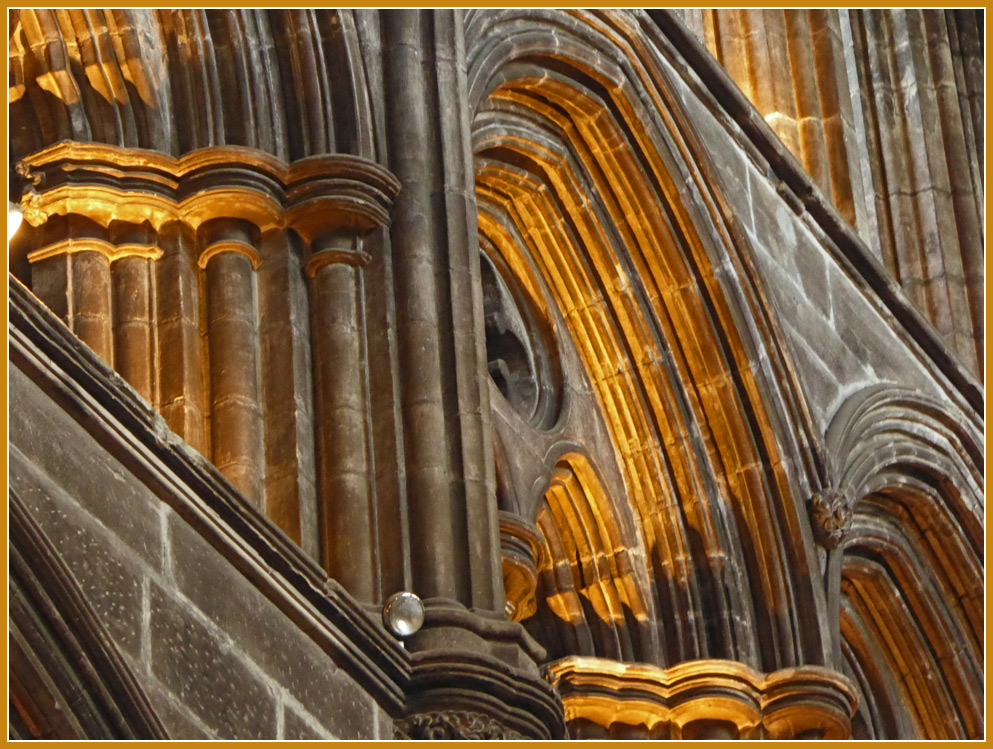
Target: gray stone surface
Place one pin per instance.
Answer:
(110, 578)
(839, 336)
(296, 727)
(199, 665)
(100, 484)
(215, 657)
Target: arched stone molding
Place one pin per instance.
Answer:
(68, 679)
(593, 589)
(578, 140)
(906, 583)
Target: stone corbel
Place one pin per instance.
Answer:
(830, 516)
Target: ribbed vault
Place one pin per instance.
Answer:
(583, 179)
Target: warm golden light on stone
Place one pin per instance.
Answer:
(704, 699)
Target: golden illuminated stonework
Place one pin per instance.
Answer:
(702, 699)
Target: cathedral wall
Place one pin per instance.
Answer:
(215, 657)
(841, 335)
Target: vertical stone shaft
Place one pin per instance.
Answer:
(449, 473)
(233, 343)
(90, 302)
(348, 522)
(133, 323)
(74, 282)
(180, 399)
(287, 387)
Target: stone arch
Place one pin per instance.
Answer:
(909, 576)
(592, 593)
(584, 177)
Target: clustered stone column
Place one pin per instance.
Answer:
(334, 203)
(213, 210)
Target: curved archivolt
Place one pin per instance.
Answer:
(912, 569)
(594, 602)
(587, 187)
(912, 624)
(178, 80)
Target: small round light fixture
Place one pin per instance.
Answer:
(403, 613)
(14, 218)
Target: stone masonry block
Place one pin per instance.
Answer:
(107, 572)
(207, 674)
(98, 482)
(266, 635)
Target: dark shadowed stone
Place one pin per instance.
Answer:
(295, 727)
(208, 675)
(179, 723)
(266, 635)
(97, 481)
(108, 574)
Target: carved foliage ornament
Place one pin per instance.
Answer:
(453, 724)
(830, 514)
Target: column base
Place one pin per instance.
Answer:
(476, 675)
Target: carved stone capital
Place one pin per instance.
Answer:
(830, 515)
(703, 699)
(447, 725)
(478, 662)
(104, 183)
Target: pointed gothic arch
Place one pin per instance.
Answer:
(581, 174)
(910, 573)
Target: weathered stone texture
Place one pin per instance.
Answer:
(840, 337)
(213, 653)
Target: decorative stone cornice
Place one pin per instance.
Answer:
(108, 183)
(520, 552)
(830, 516)
(705, 699)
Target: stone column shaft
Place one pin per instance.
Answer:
(74, 281)
(349, 522)
(450, 479)
(133, 323)
(233, 343)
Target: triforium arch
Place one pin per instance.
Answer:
(583, 170)
(906, 573)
